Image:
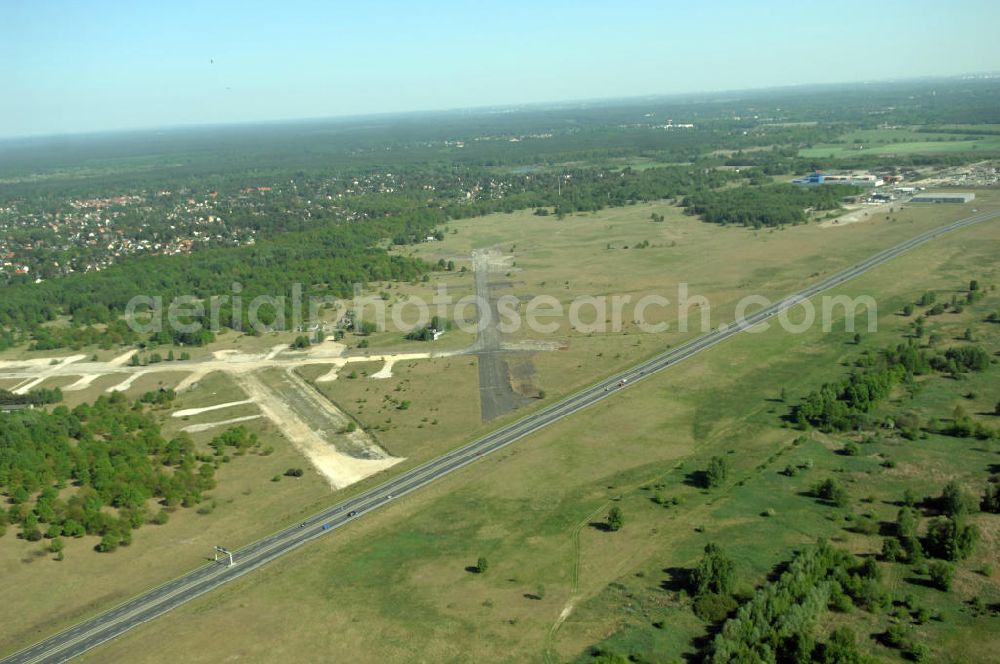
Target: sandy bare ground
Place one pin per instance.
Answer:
(39, 364)
(127, 383)
(187, 412)
(329, 376)
(28, 385)
(43, 368)
(385, 371)
(34, 371)
(82, 384)
(122, 359)
(858, 215)
(195, 428)
(339, 469)
(564, 614)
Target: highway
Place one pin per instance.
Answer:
(153, 603)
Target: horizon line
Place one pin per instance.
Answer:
(492, 108)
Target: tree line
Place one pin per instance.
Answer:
(765, 206)
(37, 397)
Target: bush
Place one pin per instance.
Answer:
(841, 602)
(715, 574)
(953, 501)
(892, 551)
(616, 519)
(949, 539)
(942, 574)
(715, 475)
(895, 636)
(712, 607)
(917, 652)
(832, 491)
(109, 543)
(991, 499)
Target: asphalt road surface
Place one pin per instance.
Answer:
(496, 396)
(154, 603)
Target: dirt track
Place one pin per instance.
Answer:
(361, 458)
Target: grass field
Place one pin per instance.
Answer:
(442, 397)
(395, 586)
(593, 255)
(903, 141)
(215, 388)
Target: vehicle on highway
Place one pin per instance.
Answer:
(352, 513)
(327, 526)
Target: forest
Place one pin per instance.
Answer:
(767, 206)
(99, 469)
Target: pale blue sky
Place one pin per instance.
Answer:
(99, 65)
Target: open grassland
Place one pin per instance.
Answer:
(972, 128)
(905, 140)
(426, 408)
(215, 388)
(396, 586)
(546, 255)
(594, 255)
(400, 304)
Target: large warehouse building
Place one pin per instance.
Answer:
(942, 198)
(856, 179)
